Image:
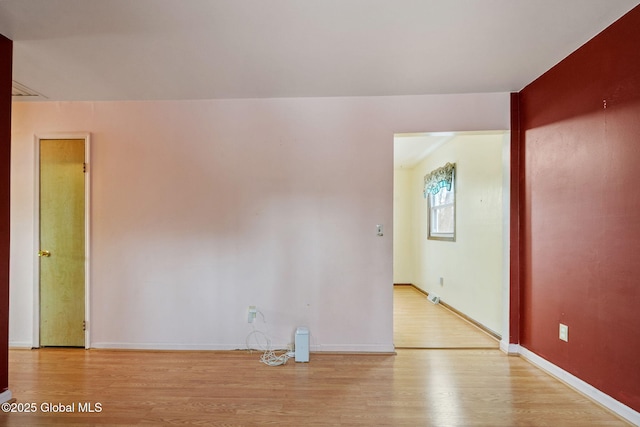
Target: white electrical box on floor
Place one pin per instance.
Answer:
(302, 344)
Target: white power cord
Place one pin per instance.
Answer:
(269, 356)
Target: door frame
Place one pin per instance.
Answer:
(507, 136)
(87, 247)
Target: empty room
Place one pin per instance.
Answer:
(199, 216)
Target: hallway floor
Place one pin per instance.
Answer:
(419, 323)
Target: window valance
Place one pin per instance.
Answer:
(439, 178)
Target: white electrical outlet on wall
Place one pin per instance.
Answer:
(564, 332)
(252, 313)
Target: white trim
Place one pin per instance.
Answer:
(167, 346)
(354, 348)
(87, 235)
(36, 243)
(87, 240)
(5, 396)
(242, 346)
(510, 349)
(506, 238)
(588, 390)
(20, 344)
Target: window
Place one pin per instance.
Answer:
(442, 214)
(439, 191)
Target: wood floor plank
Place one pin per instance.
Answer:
(419, 323)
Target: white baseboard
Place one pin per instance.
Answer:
(20, 344)
(510, 349)
(350, 348)
(587, 389)
(165, 346)
(363, 348)
(5, 396)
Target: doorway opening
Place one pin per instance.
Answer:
(468, 277)
(62, 241)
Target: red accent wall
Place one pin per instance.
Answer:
(6, 58)
(580, 212)
(514, 215)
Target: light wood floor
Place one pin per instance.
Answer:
(413, 388)
(417, 323)
(416, 387)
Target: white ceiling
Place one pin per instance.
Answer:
(205, 49)
(410, 149)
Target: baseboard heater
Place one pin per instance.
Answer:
(433, 298)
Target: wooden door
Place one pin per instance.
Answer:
(62, 242)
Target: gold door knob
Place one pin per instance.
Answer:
(44, 253)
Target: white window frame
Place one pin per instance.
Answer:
(433, 233)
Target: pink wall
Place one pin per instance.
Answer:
(580, 216)
(202, 208)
